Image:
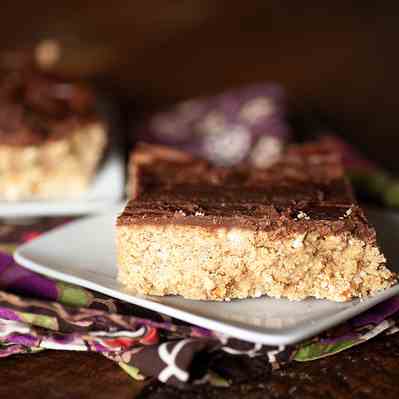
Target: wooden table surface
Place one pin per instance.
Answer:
(368, 371)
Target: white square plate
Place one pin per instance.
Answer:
(106, 189)
(83, 253)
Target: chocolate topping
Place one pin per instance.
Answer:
(305, 191)
(35, 107)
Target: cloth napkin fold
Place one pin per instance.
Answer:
(37, 313)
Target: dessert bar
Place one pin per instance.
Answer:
(51, 137)
(293, 230)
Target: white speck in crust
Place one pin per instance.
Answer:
(297, 242)
(209, 284)
(346, 214)
(302, 215)
(234, 237)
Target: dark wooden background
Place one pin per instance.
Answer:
(338, 56)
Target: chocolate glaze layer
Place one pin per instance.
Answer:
(306, 190)
(35, 107)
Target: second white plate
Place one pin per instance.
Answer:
(83, 253)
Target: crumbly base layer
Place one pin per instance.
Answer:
(225, 263)
(58, 169)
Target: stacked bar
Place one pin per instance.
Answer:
(292, 230)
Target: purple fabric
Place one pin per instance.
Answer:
(244, 124)
(378, 313)
(17, 279)
(8, 314)
(340, 338)
(5, 261)
(22, 339)
(12, 350)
